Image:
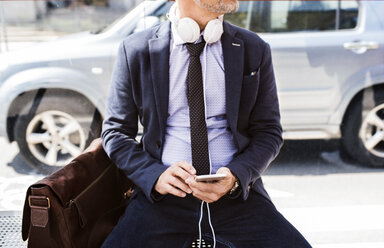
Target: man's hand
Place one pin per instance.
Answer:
(211, 192)
(172, 180)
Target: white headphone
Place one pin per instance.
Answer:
(189, 30)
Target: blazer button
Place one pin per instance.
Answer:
(158, 143)
(249, 188)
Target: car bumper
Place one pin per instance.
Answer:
(311, 132)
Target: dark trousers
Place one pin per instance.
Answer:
(173, 222)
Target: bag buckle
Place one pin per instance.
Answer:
(39, 198)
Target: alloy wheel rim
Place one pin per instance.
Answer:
(54, 138)
(372, 131)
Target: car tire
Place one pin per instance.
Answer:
(50, 131)
(363, 129)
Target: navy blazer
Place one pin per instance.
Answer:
(139, 92)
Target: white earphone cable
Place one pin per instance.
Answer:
(201, 217)
(210, 224)
(210, 161)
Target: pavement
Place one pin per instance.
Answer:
(333, 202)
(15, 177)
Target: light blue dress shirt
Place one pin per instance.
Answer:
(177, 145)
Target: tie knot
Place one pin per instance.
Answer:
(195, 49)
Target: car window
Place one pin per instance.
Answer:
(288, 16)
(293, 16)
(303, 16)
(161, 12)
(246, 11)
(348, 14)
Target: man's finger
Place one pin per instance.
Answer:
(187, 167)
(207, 197)
(176, 182)
(174, 191)
(181, 173)
(202, 186)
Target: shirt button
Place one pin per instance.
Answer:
(249, 188)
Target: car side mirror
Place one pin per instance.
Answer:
(146, 22)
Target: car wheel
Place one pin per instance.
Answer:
(363, 129)
(57, 131)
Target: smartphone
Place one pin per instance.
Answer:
(210, 178)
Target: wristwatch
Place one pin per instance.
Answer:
(234, 188)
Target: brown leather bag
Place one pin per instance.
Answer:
(77, 206)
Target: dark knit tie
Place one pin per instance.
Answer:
(195, 95)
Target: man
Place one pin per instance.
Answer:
(205, 93)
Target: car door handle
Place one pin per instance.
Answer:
(360, 47)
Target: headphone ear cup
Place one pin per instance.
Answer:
(171, 15)
(188, 30)
(213, 31)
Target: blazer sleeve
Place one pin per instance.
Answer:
(264, 129)
(120, 129)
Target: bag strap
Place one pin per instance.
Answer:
(39, 206)
(35, 213)
(40, 225)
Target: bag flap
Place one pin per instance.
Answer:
(75, 177)
(104, 194)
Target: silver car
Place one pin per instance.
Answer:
(329, 66)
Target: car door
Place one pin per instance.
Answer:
(312, 46)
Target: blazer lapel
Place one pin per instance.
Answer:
(159, 58)
(233, 50)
